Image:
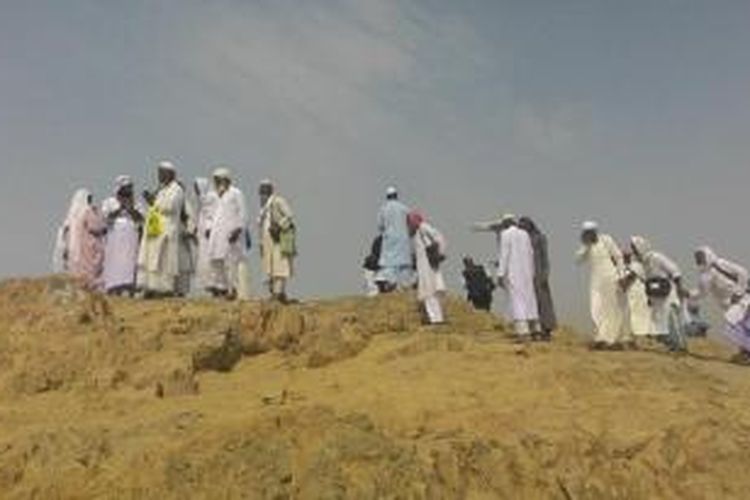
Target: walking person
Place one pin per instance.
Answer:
(429, 248)
(396, 266)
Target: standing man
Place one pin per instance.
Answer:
(124, 229)
(226, 242)
(638, 308)
(547, 316)
(207, 202)
(607, 296)
(396, 264)
(515, 275)
(278, 240)
(159, 256)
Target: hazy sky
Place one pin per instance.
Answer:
(633, 113)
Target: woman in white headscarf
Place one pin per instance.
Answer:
(665, 291)
(608, 300)
(727, 283)
(124, 226)
(208, 201)
(80, 250)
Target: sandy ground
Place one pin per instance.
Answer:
(348, 399)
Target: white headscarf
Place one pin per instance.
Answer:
(68, 236)
(710, 256)
(167, 165)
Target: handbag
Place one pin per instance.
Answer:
(658, 287)
(154, 223)
(288, 241)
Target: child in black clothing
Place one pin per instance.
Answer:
(479, 286)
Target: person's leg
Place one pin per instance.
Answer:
(279, 289)
(522, 329)
(242, 279)
(434, 310)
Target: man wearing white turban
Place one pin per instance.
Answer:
(607, 297)
(124, 223)
(159, 257)
(665, 291)
(227, 240)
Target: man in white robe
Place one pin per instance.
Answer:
(124, 226)
(277, 240)
(159, 256)
(515, 275)
(607, 296)
(227, 239)
(429, 248)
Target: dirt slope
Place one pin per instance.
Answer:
(347, 399)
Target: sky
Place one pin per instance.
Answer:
(635, 114)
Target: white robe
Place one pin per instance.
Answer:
(608, 301)
(658, 265)
(275, 265)
(516, 268)
(208, 202)
(722, 279)
(121, 248)
(429, 281)
(159, 257)
(640, 312)
(227, 258)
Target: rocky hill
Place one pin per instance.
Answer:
(351, 398)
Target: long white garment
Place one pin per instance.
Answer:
(721, 278)
(275, 265)
(68, 241)
(187, 253)
(159, 256)
(658, 265)
(230, 216)
(121, 247)
(429, 281)
(608, 301)
(516, 268)
(207, 204)
(640, 312)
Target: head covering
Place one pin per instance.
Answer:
(589, 225)
(710, 256)
(69, 237)
(414, 219)
(641, 245)
(222, 173)
(391, 191)
(122, 181)
(167, 165)
(507, 217)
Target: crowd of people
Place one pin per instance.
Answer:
(174, 241)
(639, 292)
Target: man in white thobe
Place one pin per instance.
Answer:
(124, 226)
(515, 274)
(429, 248)
(639, 311)
(226, 244)
(277, 241)
(207, 201)
(607, 295)
(159, 256)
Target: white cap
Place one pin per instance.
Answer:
(167, 165)
(507, 217)
(391, 191)
(222, 173)
(123, 181)
(590, 225)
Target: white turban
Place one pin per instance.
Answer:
(222, 173)
(590, 225)
(167, 165)
(391, 191)
(122, 181)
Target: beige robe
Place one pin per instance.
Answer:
(159, 257)
(275, 265)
